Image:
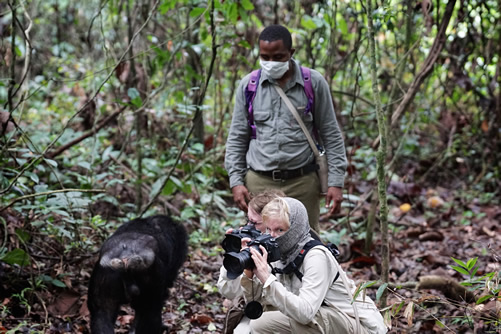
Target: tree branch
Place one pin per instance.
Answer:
(62, 148)
(436, 48)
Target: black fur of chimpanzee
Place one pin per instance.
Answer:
(137, 265)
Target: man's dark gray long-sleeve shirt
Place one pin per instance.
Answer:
(280, 143)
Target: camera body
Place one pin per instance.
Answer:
(233, 240)
(236, 261)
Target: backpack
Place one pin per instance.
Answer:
(250, 94)
(293, 267)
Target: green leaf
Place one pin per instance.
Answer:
(308, 23)
(247, 4)
(483, 299)
(132, 93)
(439, 323)
(84, 165)
(380, 291)
(169, 188)
(471, 263)
(461, 263)
(233, 13)
(402, 303)
(16, 256)
(363, 287)
(244, 44)
(23, 235)
(342, 25)
(461, 270)
(53, 281)
(135, 98)
(51, 162)
(197, 11)
(166, 6)
(58, 283)
(34, 177)
(177, 182)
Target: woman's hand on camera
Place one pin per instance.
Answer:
(261, 263)
(244, 242)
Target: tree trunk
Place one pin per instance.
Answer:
(380, 155)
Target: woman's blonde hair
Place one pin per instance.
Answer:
(277, 208)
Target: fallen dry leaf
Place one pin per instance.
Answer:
(435, 202)
(409, 313)
(202, 319)
(405, 207)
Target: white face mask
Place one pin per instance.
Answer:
(274, 69)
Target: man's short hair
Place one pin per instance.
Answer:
(277, 32)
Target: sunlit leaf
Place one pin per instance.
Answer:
(461, 270)
(342, 25)
(197, 11)
(247, 5)
(308, 23)
(471, 263)
(461, 263)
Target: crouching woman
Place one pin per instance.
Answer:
(317, 302)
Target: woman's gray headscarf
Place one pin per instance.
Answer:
(293, 241)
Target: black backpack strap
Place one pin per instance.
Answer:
(294, 266)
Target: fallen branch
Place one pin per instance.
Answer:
(447, 285)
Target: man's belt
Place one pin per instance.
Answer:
(287, 174)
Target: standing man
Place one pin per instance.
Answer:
(269, 149)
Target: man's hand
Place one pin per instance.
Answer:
(241, 197)
(334, 195)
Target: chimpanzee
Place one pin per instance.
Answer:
(137, 265)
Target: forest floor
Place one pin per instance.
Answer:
(439, 226)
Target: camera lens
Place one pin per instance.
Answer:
(235, 263)
(232, 243)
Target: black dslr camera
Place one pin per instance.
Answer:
(236, 261)
(233, 240)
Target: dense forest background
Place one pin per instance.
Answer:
(111, 109)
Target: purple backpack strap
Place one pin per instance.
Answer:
(308, 89)
(250, 94)
(310, 95)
